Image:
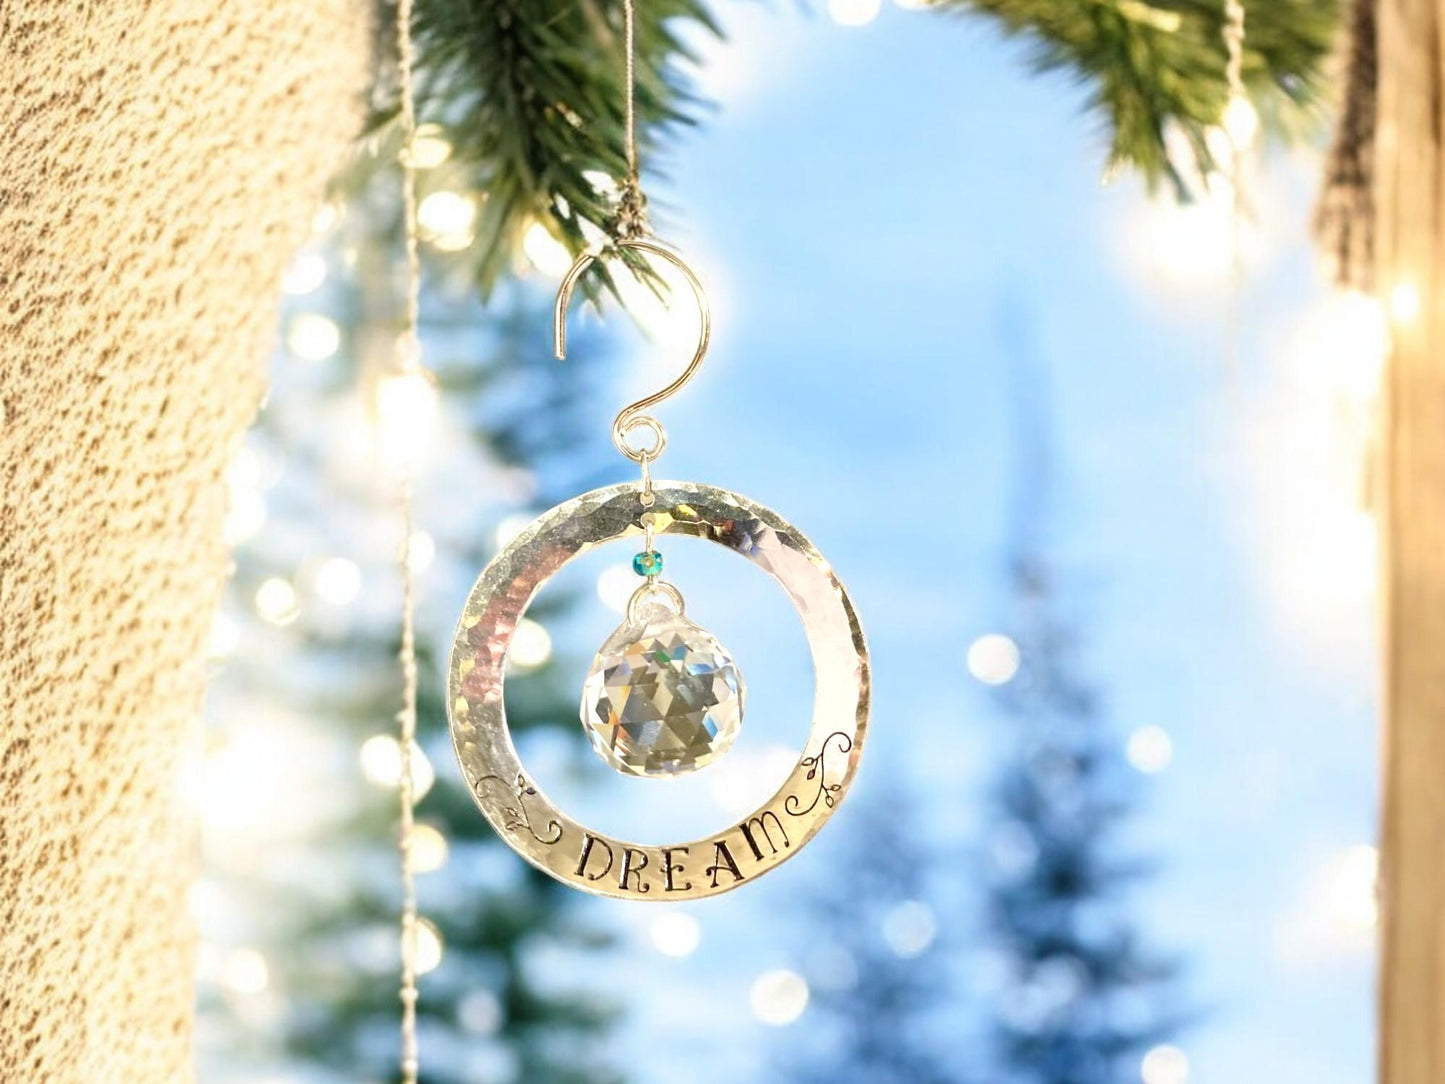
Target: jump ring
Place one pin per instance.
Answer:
(646, 496)
(623, 427)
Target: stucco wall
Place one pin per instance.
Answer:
(158, 163)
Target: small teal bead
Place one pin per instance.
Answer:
(648, 563)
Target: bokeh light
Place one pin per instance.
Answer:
(325, 219)
(854, 12)
(380, 758)
(337, 581)
(225, 635)
(250, 780)
(429, 147)
(531, 644)
(1352, 887)
(428, 946)
(245, 508)
(675, 933)
(428, 848)
(479, 1012)
(615, 586)
(910, 928)
(306, 273)
(748, 775)
(1405, 303)
(276, 602)
(407, 406)
(668, 316)
(245, 971)
(547, 254)
(1240, 122)
(1190, 248)
(1164, 1065)
(422, 552)
(312, 336)
(993, 658)
(245, 516)
(778, 997)
(1150, 749)
(1353, 335)
(445, 219)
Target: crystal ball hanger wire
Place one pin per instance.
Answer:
(663, 696)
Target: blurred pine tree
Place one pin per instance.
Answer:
(1081, 998)
(1078, 997)
(879, 988)
(312, 989)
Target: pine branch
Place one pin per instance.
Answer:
(1153, 66)
(529, 93)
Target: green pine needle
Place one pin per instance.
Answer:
(530, 95)
(1153, 65)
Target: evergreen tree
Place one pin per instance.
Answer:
(1082, 996)
(878, 988)
(328, 955)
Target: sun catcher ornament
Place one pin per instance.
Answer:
(663, 696)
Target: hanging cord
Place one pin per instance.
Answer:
(409, 364)
(410, 359)
(631, 219)
(1234, 48)
(1233, 33)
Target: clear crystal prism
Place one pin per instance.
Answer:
(663, 697)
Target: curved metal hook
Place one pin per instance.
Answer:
(632, 416)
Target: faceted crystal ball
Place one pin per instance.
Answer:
(663, 697)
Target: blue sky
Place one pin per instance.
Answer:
(871, 206)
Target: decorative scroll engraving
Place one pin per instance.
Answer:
(818, 769)
(515, 817)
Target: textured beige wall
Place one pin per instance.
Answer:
(158, 162)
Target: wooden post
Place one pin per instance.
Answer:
(1410, 201)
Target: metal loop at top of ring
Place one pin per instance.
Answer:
(646, 496)
(632, 416)
(646, 591)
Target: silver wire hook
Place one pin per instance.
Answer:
(631, 416)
